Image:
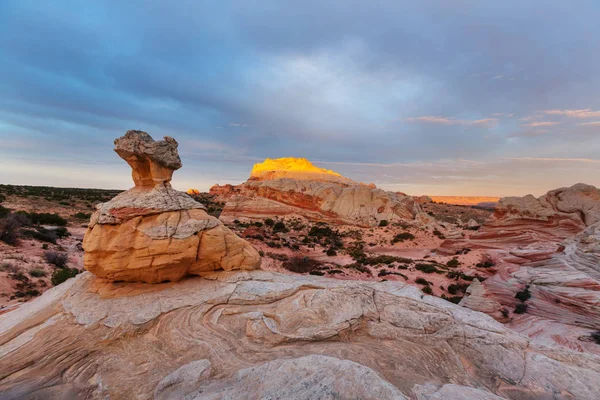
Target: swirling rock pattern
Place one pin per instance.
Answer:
(258, 334)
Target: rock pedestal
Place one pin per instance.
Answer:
(153, 233)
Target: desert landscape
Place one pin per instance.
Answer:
(299, 200)
(298, 283)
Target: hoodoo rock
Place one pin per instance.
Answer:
(153, 233)
(294, 186)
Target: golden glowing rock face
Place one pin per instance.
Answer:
(287, 167)
(193, 192)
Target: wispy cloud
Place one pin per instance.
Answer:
(541, 123)
(594, 123)
(578, 160)
(530, 133)
(498, 77)
(238, 125)
(487, 122)
(587, 113)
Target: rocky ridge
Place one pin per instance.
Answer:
(296, 187)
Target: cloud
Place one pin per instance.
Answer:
(593, 123)
(586, 113)
(487, 122)
(541, 123)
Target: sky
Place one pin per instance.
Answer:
(438, 97)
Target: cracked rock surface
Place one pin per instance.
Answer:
(259, 334)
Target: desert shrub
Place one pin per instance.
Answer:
(385, 272)
(384, 259)
(401, 237)
(521, 308)
(57, 259)
(485, 264)
(277, 256)
(82, 215)
(523, 295)
(383, 222)
(258, 224)
(504, 312)
(422, 281)
(62, 232)
(320, 231)
(427, 289)
(9, 230)
(280, 227)
(45, 246)
(453, 263)
(6, 266)
(61, 275)
(359, 267)
(335, 271)
(427, 268)
(269, 222)
(261, 253)
(439, 234)
(356, 250)
(301, 264)
(454, 299)
(41, 234)
(454, 288)
(44, 218)
(4, 211)
(331, 252)
(37, 273)
(318, 273)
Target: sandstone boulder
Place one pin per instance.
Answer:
(153, 233)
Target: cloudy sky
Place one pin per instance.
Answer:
(428, 97)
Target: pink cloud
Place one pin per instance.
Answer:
(487, 122)
(541, 123)
(587, 113)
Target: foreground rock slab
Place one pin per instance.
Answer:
(153, 233)
(258, 334)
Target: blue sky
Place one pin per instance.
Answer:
(430, 97)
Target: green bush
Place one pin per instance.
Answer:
(280, 227)
(57, 259)
(44, 218)
(82, 215)
(427, 268)
(454, 288)
(453, 263)
(523, 295)
(9, 230)
(37, 273)
(383, 222)
(269, 222)
(422, 281)
(4, 211)
(521, 308)
(301, 264)
(427, 289)
(331, 252)
(61, 275)
(485, 264)
(401, 237)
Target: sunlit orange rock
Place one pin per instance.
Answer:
(193, 192)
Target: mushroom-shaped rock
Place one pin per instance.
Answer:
(153, 233)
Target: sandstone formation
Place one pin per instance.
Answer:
(548, 250)
(292, 186)
(265, 335)
(153, 233)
